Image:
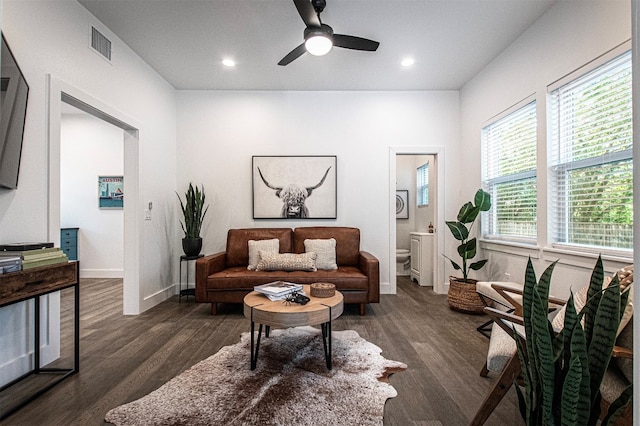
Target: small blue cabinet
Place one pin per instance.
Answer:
(69, 242)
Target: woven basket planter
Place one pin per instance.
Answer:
(462, 296)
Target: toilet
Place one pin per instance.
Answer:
(403, 261)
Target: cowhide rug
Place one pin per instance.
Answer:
(290, 385)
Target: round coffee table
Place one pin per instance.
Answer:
(259, 309)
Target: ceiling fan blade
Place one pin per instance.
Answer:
(307, 13)
(293, 55)
(355, 43)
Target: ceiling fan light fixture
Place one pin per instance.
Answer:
(318, 44)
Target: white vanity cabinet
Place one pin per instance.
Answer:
(422, 257)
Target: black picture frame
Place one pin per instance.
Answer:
(294, 187)
(402, 204)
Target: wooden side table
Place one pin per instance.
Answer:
(187, 291)
(31, 284)
(259, 309)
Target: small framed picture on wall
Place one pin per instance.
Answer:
(110, 192)
(402, 204)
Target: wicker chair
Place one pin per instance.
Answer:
(503, 359)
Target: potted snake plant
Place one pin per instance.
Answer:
(462, 294)
(193, 212)
(562, 372)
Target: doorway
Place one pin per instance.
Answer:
(433, 213)
(92, 161)
(62, 93)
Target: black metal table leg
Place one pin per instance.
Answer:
(326, 340)
(254, 350)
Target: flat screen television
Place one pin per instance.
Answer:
(13, 110)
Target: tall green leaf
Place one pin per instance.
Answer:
(593, 296)
(468, 213)
(458, 230)
(571, 394)
(578, 349)
(607, 320)
(544, 350)
(482, 200)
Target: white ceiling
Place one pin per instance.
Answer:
(186, 40)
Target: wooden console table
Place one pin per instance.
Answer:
(21, 286)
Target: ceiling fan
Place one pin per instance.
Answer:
(319, 38)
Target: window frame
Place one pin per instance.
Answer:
(489, 184)
(557, 201)
(420, 193)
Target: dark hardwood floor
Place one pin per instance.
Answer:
(125, 357)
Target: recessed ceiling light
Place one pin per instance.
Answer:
(407, 62)
(229, 63)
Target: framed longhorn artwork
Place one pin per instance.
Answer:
(294, 187)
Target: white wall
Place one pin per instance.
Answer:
(568, 36)
(218, 132)
(91, 147)
(51, 38)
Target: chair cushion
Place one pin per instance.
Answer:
(625, 275)
(625, 340)
(256, 246)
(501, 348)
(286, 262)
(325, 250)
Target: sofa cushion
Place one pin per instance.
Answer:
(256, 246)
(238, 243)
(347, 241)
(325, 251)
(239, 278)
(286, 262)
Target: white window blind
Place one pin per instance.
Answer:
(509, 174)
(423, 185)
(590, 158)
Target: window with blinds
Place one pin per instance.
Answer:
(590, 158)
(509, 174)
(422, 185)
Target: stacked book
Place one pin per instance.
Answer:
(10, 264)
(32, 255)
(278, 290)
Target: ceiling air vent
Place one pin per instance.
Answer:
(100, 43)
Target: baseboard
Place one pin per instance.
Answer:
(101, 273)
(159, 296)
(385, 288)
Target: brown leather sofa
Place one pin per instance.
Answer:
(224, 278)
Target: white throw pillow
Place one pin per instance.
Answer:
(256, 246)
(325, 251)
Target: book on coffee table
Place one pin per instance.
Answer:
(278, 288)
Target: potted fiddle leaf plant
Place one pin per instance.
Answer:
(462, 294)
(193, 211)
